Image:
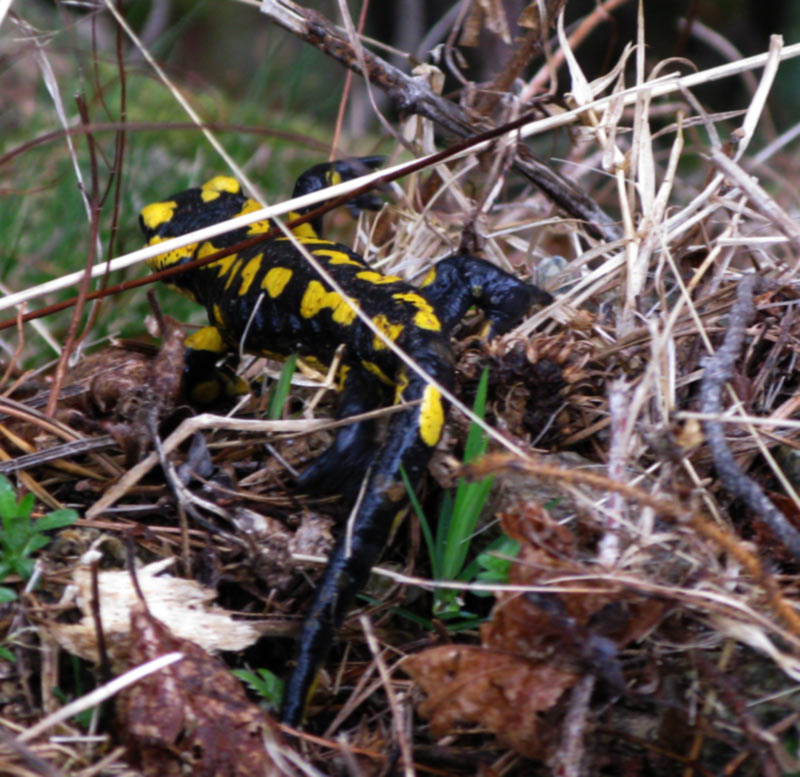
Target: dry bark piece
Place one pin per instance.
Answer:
(192, 717)
(183, 604)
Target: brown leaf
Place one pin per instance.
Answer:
(536, 646)
(498, 690)
(192, 717)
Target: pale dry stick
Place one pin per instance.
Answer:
(210, 421)
(618, 399)
(641, 148)
(4, 6)
(722, 46)
(718, 370)
(613, 159)
(714, 601)
(199, 235)
(760, 198)
(99, 695)
(759, 100)
(773, 421)
(401, 734)
(744, 132)
(568, 760)
(38, 326)
(776, 145)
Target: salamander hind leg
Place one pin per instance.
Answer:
(411, 438)
(204, 382)
(341, 467)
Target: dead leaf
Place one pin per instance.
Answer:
(489, 14)
(192, 717)
(500, 691)
(531, 16)
(535, 647)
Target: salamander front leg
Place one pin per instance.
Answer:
(203, 381)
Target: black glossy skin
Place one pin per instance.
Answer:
(239, 298)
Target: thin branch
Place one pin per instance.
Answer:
(718, 370)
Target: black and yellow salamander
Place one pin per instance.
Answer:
(269, 300)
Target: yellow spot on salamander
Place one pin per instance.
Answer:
(222, 266)
(343, 371)
(249, 273)
(429, 278)
(392, 331)
(313, 363)
(333, 177)
(218, 317)
(377, 278)
(336, 257)
(206, 392)
(158, 213)
(431, 416)
(212, 188)
(237, 265)
(275, 281)
(170, 258)
(377, 372)
(208, 338)
(257, 227)
(316, 299)
(303, 231)
(279, 357)
(402, 385)
(424, 318)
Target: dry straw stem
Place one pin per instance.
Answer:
(654, 87)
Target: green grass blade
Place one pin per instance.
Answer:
(280, 392)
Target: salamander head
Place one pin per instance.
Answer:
(218, 199)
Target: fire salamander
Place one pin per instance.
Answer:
(269, 300)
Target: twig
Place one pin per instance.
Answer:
(412, 95)
(718, 370)
(571, 752)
